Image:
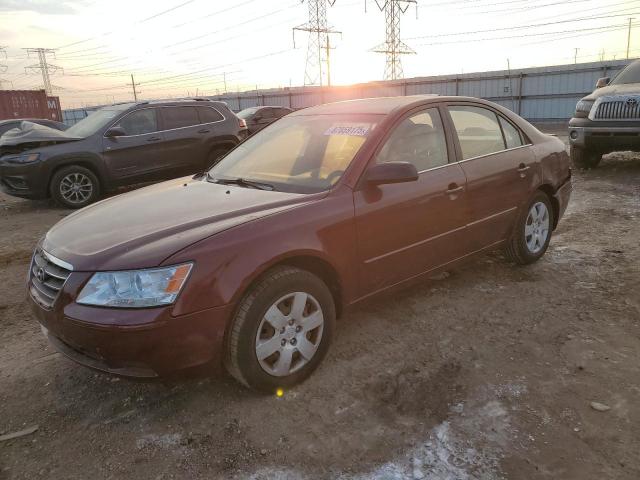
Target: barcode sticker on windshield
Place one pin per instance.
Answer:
(349, 131)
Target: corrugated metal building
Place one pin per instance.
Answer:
(537, 94)
(29, 104)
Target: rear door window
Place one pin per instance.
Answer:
(179, 117)
(512, 135)
(139, 122)
(478, 131)
(209, 115)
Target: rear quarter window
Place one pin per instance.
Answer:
(209, 115)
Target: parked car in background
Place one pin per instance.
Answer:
(250, 264)
(259, 117)
(115, 146)
(607, 120)
(6, 125)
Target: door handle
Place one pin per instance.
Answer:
(154, 139)
(204, 130)
(453, 189)
(522, 170)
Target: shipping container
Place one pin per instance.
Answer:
(29, 104)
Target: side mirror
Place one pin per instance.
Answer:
(391, 172)
(115, 132)
(603, 82)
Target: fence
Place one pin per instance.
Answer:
(537, 94)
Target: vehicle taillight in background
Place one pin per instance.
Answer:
(242, 123)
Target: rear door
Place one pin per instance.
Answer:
(499, 166)
(185, 140)
(406, 229)
(139, 154)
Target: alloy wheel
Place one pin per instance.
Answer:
(76, 188)
(289, 334)
(536, 228)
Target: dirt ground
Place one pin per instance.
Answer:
(485, 373)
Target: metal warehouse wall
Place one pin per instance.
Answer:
(537, 94)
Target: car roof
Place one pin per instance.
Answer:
(205, 102)
(381, 105)
(375, 105)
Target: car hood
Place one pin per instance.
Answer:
(29, 132)
(624, 89)
(142, 228)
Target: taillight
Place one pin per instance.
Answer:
(242, 123)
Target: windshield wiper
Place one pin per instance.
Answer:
(243, 183)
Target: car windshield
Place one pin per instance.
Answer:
(300, 154)
(631, 74)
(247, 112)
(95, 121)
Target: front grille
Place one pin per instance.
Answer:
(622, 109)
(46, 279)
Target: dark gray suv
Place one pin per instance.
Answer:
(116, 146)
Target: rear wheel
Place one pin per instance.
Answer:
(582, 158)
(281, 331)
(74, 186)
(532, 232)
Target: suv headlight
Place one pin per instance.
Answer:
(135, 288)
(23, 158)
(583, 108)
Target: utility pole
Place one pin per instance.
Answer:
(319, 32)
(575, 56)
(393, 47)
(3, 68)
(224, 79)
(629, 37)
(43, 66)
(328, 62)
(133, 86)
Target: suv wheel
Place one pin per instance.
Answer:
(532, 231)
(75, 187)
(281, 330)
(584, 158)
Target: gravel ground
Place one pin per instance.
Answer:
(487, 372)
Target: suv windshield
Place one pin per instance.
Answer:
(631, 74)
(301, 154)
(96, 120)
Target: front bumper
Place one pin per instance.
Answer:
(25, 181)
(605, 138)
(142, 343)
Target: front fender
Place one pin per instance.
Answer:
(227, 263)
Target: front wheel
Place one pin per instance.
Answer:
(582, 158)
(281, 331)
(75, 186)
(532, 231)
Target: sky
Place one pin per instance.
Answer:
(196, 47)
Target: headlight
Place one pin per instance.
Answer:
(583, 108)
(135, 288)
(24, 158)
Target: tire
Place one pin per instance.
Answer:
(250, 332)
(214, 156)
(523, 247)
(74, 187)
(584, 158)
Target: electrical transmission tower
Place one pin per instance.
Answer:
(3, 68)
(44, 67)
(393, 47)
(318, 47)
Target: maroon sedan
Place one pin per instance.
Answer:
(249, 265)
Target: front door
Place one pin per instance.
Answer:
(410, 228)
(138, 155)
(499, 167)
